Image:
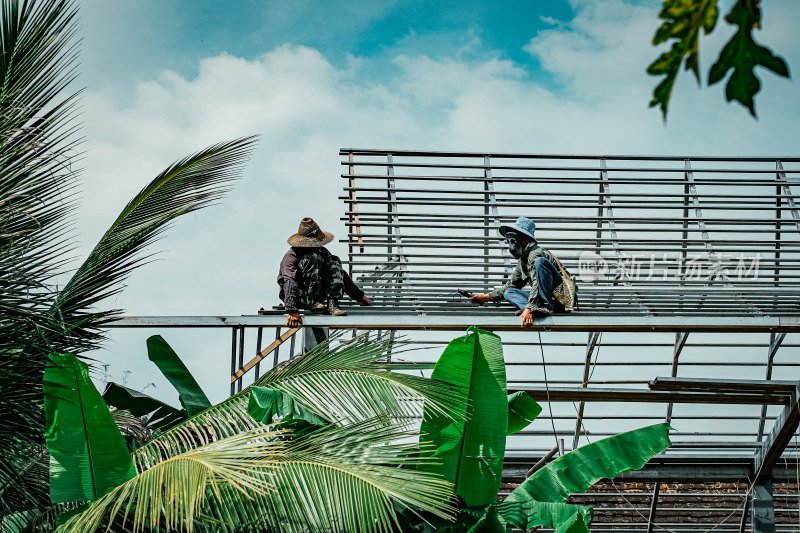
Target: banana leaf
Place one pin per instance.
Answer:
(192, 397)
(528, 514)
(578, 470)
(266, 403)
(88, 456)
(575, 524)
(522, 410)
(490, 522)
(161, 415)
(471, 445)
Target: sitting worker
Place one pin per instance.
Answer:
(312, 278)
(536, 266)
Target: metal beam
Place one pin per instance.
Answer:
(457, 322)
(763, 509)
(782, 432)
(775, 341)
(653, 507)
(591, 344)
(564, 394)
(724, 385)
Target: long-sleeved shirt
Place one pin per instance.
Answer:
(289, 277)
(522, 274)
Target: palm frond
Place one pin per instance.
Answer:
(38, 142)
(185, 186)
(336, 380)
(173, 493)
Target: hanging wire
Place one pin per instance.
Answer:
(547, 388)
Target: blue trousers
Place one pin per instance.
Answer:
(544, 279)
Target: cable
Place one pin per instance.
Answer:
(547, 388)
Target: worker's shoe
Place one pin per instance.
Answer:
(334, 309)
(318, 307)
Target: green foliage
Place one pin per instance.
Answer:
(191, 396)
(683, 21)
(527, 513)
(742, 55)
(522, 410)
(159, 414)
(581, 468)
(472, 446)
(271, 406)
(88, 456)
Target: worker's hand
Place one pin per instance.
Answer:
(527, 318)
(366, 301)
(480, 298)
(293, 319)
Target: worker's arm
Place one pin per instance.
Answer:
(353, 290)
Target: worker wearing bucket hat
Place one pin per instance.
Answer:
(535, 266)
(312, 278)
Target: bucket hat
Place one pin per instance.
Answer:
(309, 235)
(522, 225)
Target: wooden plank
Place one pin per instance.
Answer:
(265, 352)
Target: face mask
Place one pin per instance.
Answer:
(514, 246)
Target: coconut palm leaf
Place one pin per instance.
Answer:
(336, 380)
(185, 186)
(37, 196)
(333, 479)
(172, 493)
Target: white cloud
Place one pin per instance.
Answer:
(224, 260)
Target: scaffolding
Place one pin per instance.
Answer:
(689, 275)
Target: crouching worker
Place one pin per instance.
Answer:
(312, 278)
(536, 266)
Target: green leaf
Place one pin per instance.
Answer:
(88, 456)
(522, 410)
(578, 470)
(472, 446)
(192, 397)
(527, 514)
(266, 403)
(683, 20)
(742, 55)
(160, 415)
(575, 524)
(490, 522)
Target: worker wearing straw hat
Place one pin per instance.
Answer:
(312, 278)
(536, 266)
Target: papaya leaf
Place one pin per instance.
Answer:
(522, 410)
(88, 456)
(471, 444)
(160, 415)
(742, 55)
(192, 397)
(578, 470)
(683, 21)
(528, 514)
(266, 403)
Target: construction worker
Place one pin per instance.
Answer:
(536, 266)
(312, 278)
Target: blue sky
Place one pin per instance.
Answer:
(125, 41)
(165, 78)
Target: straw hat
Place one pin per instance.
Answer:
(309, 235)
